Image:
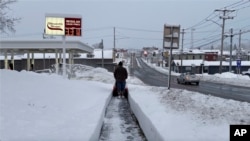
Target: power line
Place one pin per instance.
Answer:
(243, 28)
(206, 40)
(205, 31)
(233, 4)
(22, 35)
(233, 7)
(207, 24)
(136, 29)
(242, 32)
(243, 7)
(242, 20)
(214, 41)
(203, 21)
(95, 37)
(130, 37)
(98, 29)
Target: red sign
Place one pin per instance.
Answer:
(73, 26)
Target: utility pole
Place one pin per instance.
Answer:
(101, 46)
(192, 38)
(231, 46)
(224, 17)
(240, 40)
(114, 37)
(182, 41)
(239, 52)
(114, 47)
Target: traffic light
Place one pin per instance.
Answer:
(171, 36)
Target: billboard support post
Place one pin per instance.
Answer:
(171, 38)
(64, 56)
(169, 68)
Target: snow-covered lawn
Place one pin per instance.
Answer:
(41, 107)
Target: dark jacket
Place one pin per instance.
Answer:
(120, 74)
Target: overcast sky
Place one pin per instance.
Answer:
(138, 23)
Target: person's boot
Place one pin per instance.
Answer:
(119, 94)
(122, 94)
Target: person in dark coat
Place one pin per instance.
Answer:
(120, 75)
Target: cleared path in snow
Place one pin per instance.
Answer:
(119, 123)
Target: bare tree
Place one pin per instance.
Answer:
(7, 23)
(96, 45)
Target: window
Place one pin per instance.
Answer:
(205, 69)
(188, 68)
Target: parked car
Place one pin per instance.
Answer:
(246, 72)
(188, 78)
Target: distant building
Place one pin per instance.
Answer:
(210, 67)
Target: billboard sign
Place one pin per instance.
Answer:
(54, 26)
(171, 35)
(73, 26)
(68, 25)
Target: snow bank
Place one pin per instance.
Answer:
(42, 107)
(183, 115)
(149, 129)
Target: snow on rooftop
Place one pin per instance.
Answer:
(189, 62)
(97, 54)
(209, 63)
(9, 57)
(106, 53)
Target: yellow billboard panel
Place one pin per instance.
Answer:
(55, 26)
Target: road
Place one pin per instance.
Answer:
(154, 78)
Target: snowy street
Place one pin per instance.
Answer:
(155, 77)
